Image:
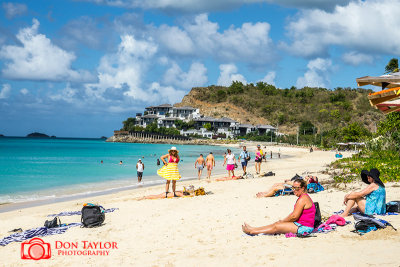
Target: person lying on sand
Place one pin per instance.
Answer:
(371, 199)
(186, 193)
(229, 178)
(287, 184)
(162, 195)
(299, 221)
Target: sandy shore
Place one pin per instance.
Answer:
(206, 230)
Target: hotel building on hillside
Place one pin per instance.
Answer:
(165, 115)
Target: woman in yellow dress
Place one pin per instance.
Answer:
(170, 170)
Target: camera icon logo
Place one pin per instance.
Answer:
(35, 249)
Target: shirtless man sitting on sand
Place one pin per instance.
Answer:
(199, 164)
(210, 163)
(281, 186)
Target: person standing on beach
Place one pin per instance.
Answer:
(259, 157)
(170, 170)
(230, 161)
(140, 169)
(210, 163)
(244, 157)
(199, 164)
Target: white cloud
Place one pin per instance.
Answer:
(68, 95)
(175, 40)
(14, 9)
(200, 37)
(229, 74)
(166, 94)
(39, 59)
(212, 5)
(24, 91)
(317, 74)
(196, 76)
(5, 91)
(269, 78)
(122, 75)
(355, 58)
(126, 67)
(362, 26)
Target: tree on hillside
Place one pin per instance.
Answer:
(307, 127)
(355, 132)
(129, 124)
(392, 66)
(390, 127)
(207, 126)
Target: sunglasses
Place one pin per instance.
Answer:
(296, 188)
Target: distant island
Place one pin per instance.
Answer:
(1, 135)
(39, 135)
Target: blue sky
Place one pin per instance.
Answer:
(79, 68)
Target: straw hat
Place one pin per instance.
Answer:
(173, 149)
(374, 173)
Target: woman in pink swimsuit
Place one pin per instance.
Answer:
(301, 220)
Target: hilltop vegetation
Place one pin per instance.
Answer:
(291, 107)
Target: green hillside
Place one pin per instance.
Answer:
(292, 106)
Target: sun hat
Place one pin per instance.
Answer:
(139, 160)
(173, 148)
(258, 145)
(374, 173)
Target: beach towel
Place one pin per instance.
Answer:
(314, 188)
(330, 225)
(36, 232)
(284, 192)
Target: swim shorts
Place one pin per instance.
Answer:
(258, 159)
(200, 167)
(244, 164)
(209, 166)
(303, 229)
(230, 167)
(139, 174)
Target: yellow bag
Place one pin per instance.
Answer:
(199, 191)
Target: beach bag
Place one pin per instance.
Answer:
(317, 219)
(248, 158)
(393, 206)
(200, 191)
(366, 223)
(92, 216)
(52, 223)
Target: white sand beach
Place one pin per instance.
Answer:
(206, 230)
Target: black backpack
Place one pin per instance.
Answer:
(92, 216)
(393, 206)
(53, 223)
(364, 222)
(318, 219)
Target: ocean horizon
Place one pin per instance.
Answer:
(34, 169)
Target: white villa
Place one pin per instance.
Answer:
(165, 115)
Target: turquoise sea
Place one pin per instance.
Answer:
(35, 168)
